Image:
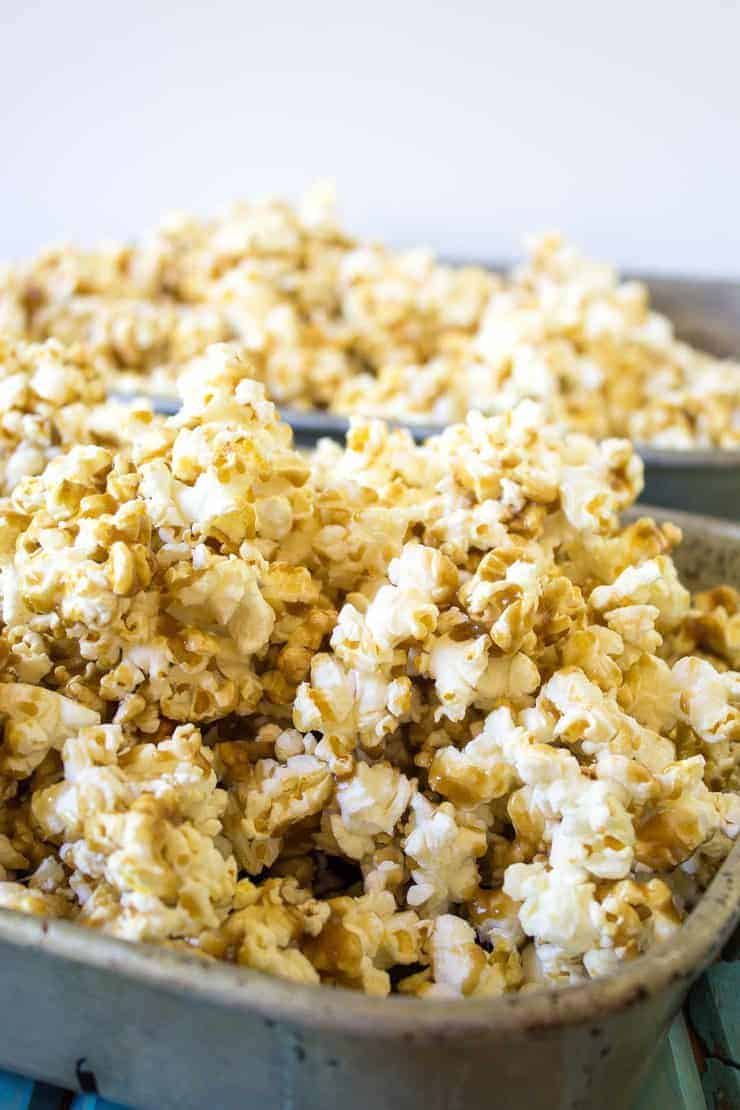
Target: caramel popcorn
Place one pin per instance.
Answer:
(313, 306)
(355, 327)
(562, 330)
(50, 399)
(422, 718)
(152, 580)
(548, 722)
(136, 828)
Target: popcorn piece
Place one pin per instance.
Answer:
(36, 721)
(443, 853)
(267, 928)
(596, 833)
(278, 795)
(633, 917)
(713, 625)
(707, 700)
(474, 775)
(461, 968)
(15, 896)
(558, 906)
(362, 938)
(654, 582)
(649, 693)
(371, 803)
(457, 668)
(685, 817)
(349, 708)
(592, 719)
(494, 915)
(137, 829)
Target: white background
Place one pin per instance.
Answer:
(457, 125)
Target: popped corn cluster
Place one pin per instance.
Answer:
(336, 323)
(51, 398)
(161, 578)
(563, 330)
(312, 306)
(391, 717)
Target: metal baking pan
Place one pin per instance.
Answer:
(673, 1080)
(156, 1029)
(706, 313)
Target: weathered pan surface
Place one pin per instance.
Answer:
(165, 1031)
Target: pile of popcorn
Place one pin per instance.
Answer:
(389, 717)
(331, 322)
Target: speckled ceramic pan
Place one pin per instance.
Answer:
(156, 1029)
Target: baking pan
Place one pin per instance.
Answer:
(673, 1082)
(156, 1029)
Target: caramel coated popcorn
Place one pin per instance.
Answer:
(388, 717)
(313, 306)
(562, 330)
(151, 581)
(54, 397)
(332, 322)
